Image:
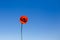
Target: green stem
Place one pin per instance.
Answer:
(21, 31)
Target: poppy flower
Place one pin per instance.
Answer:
(23, 19)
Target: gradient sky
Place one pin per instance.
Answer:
(43, 23)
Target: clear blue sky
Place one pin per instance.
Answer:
(43, 23)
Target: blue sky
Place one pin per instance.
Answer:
(43, 23)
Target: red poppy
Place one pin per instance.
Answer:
(23, 19)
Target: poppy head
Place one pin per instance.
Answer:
(23, 19)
